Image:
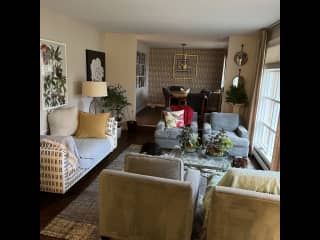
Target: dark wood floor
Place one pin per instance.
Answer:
(51, 204)
(149, 116)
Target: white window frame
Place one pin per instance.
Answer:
(260, 151)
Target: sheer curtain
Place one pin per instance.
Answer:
(255, 95)
(268, 64)
(275, 163)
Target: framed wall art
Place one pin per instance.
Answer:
(53, 74)
(95, 65)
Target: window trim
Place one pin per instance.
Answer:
(257, 152)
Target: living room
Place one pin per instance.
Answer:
(95, 54)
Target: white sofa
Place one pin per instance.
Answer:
(54, 174)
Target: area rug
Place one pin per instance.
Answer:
(79, 220)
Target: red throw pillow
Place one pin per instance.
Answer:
(188, 113)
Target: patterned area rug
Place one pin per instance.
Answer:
(79, 220)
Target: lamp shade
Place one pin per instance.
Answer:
(94, 89)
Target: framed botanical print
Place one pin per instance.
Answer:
(95, 65)
(53, 74)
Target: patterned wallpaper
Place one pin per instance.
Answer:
(210, 66)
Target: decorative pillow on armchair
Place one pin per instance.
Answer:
(174, 119)
(188, 113)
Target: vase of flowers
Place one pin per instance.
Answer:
(218, 145)
(189, 141)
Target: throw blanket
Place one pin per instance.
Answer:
(68, 141)
(63, 143)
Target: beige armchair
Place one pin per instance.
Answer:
(236, 211)
(153, 198)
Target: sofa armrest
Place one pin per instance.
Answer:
(53, 166)
(111, 130)
(157, 166)
(161, 125)
(207, 128)
(194, 126)
(193, 176)
(241, 131)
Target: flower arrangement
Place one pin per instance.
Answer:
(189, 141)
(218, 144)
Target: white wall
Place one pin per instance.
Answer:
(248, 71)
(142, 93)
(121, 50)
(78, 37)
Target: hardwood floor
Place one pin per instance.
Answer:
(149, 116)
(51, 204)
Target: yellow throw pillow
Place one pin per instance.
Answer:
(92, 125)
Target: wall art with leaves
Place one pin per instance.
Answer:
(53, 74)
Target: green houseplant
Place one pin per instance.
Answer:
(189, 141)
(116, 101)
(237, 96)
(218, 144)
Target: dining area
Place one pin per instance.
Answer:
(200, 101)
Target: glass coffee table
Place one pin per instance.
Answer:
(207, 165)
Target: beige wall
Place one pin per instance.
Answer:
(142, 93)
(248, 71)
(121, 50)
(78, 37)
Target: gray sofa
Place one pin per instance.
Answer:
(153, 198)
(230, 122)
(54, 173)
(167, 137)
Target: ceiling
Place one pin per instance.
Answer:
(199, 23)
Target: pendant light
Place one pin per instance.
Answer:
(184, 64)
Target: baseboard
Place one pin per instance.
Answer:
(153, 105)
(44, 132)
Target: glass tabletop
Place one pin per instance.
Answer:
(203, 161)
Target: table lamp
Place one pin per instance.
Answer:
(94, 90)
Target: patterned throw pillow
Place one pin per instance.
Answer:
(174, 119)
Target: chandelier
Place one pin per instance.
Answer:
(184, 65)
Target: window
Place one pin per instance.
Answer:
(267, 114)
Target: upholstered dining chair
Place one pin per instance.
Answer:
(167, 97)
(175, 88)
(198, 102)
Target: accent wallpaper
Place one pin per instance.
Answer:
(161, 60)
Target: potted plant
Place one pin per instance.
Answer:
(189, 141)
(237, 96)
(115, 103)
(218, 144)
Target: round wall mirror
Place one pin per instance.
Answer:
(237, 80)
(241, 57)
